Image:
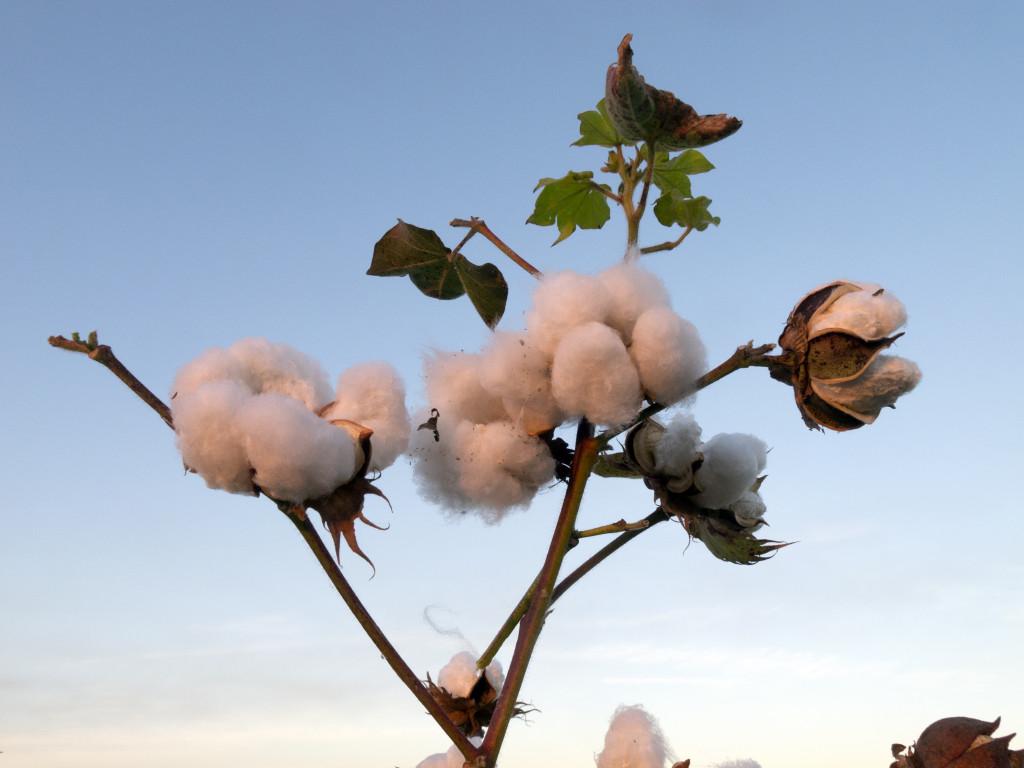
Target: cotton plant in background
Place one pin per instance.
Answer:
(582, 388)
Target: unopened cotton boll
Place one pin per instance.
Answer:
(633, 291)
(732, 463)
(295, 455)
(593, 376)
(633, 740)
(372, 394)
(668, 353)
(209, 437)
(518, 372)
(563, 301)
(454, 388)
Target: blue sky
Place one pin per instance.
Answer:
(182, 175)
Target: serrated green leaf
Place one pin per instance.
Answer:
(596, 129)
(406, 249)
(486, 288)
(672, 208)
(575, 200)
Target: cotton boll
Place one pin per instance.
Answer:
(633, 291)
(453, 387)
(295, 454)
(879, 386)
(677, 450)
(214, 364)
(668, 353)
(870, 313)
(593, 376)
(634, 740)
(515, 370)
(209, 438)
(372, 394)
(282, 369)
(435, 469)
(459, 675)
(732, 463)
(500, 467)
(749, 509)
(495, 675)
(563, 301)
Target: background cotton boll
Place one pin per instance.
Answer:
(434, 467)
(633, 740)
(593, 376)
(563, 301)
(747, 763)
(454, 388)
(209, 438)
(372, 394)
(678, 447)
(500, 467)
(282, 369)
(668, 353)
(296, 455)
(633, 291)
(868, 313)
(732, 463)
(459, 675)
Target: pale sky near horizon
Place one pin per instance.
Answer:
(181, 175)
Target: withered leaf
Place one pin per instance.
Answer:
(406, 249)
(486, 288)
(947, 739)
(994, 754)
(431, 424)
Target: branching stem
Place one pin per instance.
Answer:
(617, 527)
(668, 245)
(479, 225)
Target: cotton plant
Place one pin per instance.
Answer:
(580, 389)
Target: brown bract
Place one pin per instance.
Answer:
(959, 742)
(470, 714)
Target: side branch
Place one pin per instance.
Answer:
(103, 355)
(479, 225)
(668, 245)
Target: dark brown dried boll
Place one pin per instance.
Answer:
(959, 742)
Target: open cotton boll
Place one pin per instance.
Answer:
(372, 394)
(459, 675)
(732, 463)
(749, 509)
(520, 374)
(594, 376)
(879, 386)
(633, 291)
(215, 364)
(668, 353)
(295, 454)
(208, 434)
(562, 301)
(500, 467)
(678, 447)
(454, 388)
(870, 313)
(633, 740)
(435, 469)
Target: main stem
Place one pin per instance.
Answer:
(377, 636)
(587, 447)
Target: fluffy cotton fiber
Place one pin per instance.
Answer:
(634, 740)
(732, 463)
(869, 312)
(593, 376)
(881, 385)
(563, 301)
(668, 353)
(453, 387)
(460, 674)
(633, 291)
(513, 368)
(372, 394)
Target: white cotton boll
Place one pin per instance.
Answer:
(869, 313)
(282, 369)
(593, 376)
(372, 394)
(880, 386)
(668, 353)
(563, 301)
(459, 675)
(749, 509)
(214, 364)
(732, 463)
(678, 447)
(633, 291)
(500, 467)
(495, 675)
(515, 370)
(435, 469)
(633, 740)
(209, 438)
(454, 388)
(295, 454)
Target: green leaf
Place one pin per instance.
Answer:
(419, 253)
(672, 208)
(596, 129)
(673, 174)
(486, 288)
(575, 200)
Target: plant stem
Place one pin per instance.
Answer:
(103, 355)
(374, 632)
(744, 357)
(583, 462)
(668, 245)
(606, 192)
(648, 178)
(617, 527)
(588, 565)
(479, 225)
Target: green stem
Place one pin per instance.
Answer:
(617, 527)
(583, 462)
(668, 245)
(374, 632)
